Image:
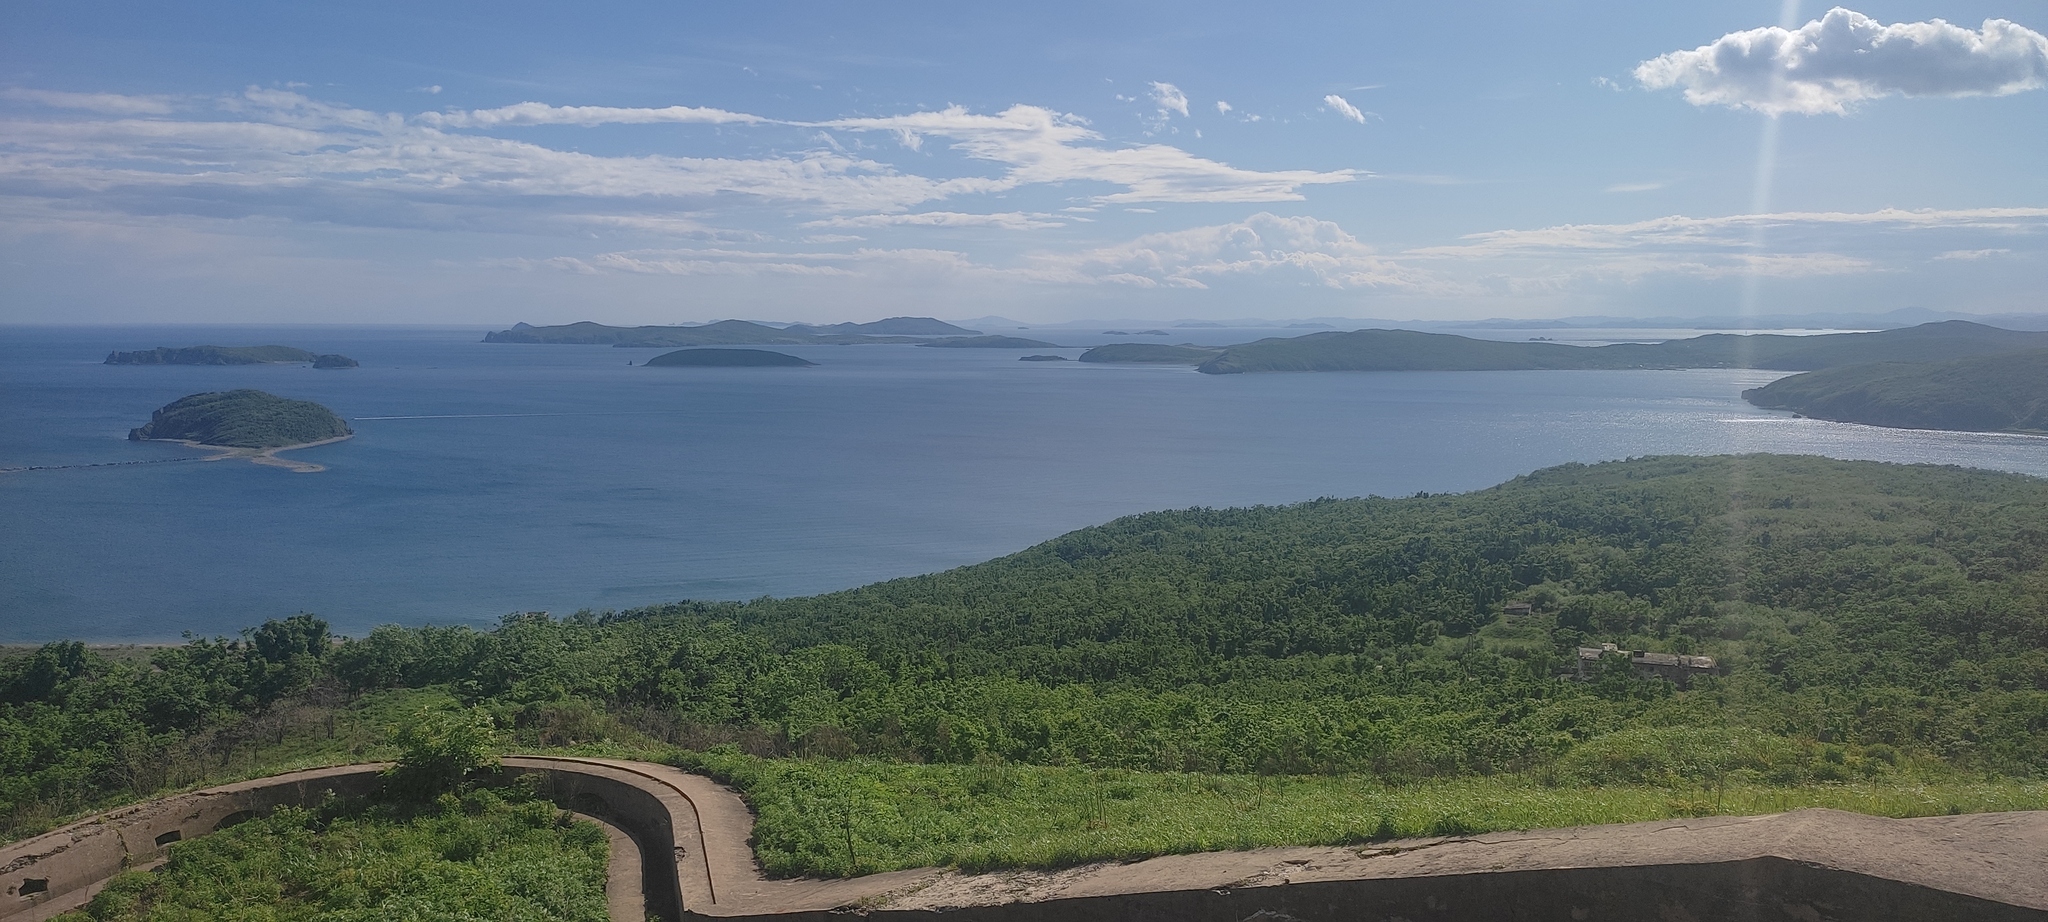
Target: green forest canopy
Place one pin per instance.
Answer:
(1872, 620)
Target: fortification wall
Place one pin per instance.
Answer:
(61, 870)
(694, 861)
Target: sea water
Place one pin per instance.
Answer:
(486, 479)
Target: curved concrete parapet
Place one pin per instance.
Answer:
(692, 858)
(61, 870)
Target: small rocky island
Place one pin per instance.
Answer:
(1042, 358)
(228, 355)
(245, 423)
(727, 358)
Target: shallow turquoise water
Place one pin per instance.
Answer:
(488, 479)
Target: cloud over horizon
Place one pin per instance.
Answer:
(284, 154)
(1843, 58)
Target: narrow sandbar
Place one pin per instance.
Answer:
(265, 456)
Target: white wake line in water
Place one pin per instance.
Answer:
(361, 419)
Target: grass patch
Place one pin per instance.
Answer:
(837, 818)
(489, 854)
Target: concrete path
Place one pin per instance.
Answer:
(1999, 860)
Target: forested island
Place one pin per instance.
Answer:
(2005, 392)
(1041, 358)
(252, 423)
(227, 355)
(731, 333)
(1409, 350)
(1331, 672)
(727, 358)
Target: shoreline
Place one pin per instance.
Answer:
(264, 456)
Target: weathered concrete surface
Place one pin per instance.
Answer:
(61, 870)
(72, 863)
(692, 857)
(625, 894)
(1809, 866)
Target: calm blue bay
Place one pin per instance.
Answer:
(487, 479)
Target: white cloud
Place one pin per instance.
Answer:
(1986, 253)
(1222, 108)
(1845, 57)
(537, 113)
(1731, 230)
(1344, 108)
(1635, 187)
(281, 153)
(1043, 146)
(1801, 244)
(1170, 98)
(1010, 220)
(682, 263)
(1261, 246)
(1264, 244)
(108, 103)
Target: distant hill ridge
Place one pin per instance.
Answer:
(990, 342)
(1408, 350)
(890, 326)
(730, 333)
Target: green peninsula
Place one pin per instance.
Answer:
(989, 342)
(1149, 354)
(2006, 392)
(728, 358)
(249, 419)
(213, 355)
(1407, 350)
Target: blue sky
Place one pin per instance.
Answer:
(663, 162)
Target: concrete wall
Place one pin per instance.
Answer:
(61, 870)
(628, 802)
(58, 870)
(1758, 890)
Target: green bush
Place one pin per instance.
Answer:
(440, 749)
